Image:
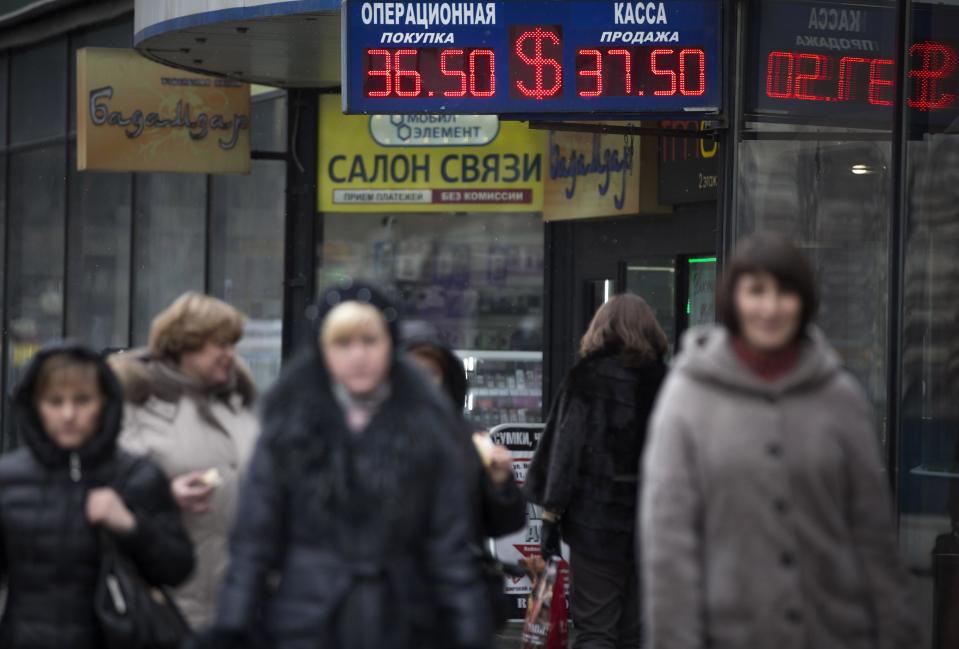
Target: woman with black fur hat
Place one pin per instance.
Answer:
(64, 487)
(354, 503)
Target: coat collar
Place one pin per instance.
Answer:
(143, 379)
(708, 354)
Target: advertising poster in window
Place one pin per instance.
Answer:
(427, 163)
(521, 440)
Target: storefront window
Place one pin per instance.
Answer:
(36, 240)
(477, 277)
(246, 259)
(169, 246)
(38, 80)
(815, 160)
(268, 126)
(701, 292)
(814, 192)
(3, 283)
(4, 85)
(98, 258)
(3, 216)
(929, 450)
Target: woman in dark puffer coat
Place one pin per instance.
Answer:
(66, 482)
(353, 530)
(496, 503)
(584, 473)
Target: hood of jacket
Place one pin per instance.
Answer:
(135, 371)
(708, 355)
(419, 333)
(102, 445)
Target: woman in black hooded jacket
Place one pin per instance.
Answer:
(66, 483)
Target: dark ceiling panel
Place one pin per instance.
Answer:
(290, 51)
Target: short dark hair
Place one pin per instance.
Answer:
(626, 323)
(773, 253)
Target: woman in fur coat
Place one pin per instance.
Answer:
(189, 409)
(354, 530)
(584, 473)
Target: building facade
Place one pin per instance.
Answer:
(840, 127)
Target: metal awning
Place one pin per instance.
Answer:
(290, 44)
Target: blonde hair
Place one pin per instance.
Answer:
(346, 319)
(192, 321)
(64, 368)
(625, 323)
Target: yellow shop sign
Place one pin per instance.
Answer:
(427, 163)
(136, 115)
(591, 175)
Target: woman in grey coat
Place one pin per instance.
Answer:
(766, 516)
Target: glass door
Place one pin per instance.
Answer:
(701, 291)
(654, 280)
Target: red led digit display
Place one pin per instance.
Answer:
(640, 71)
(430, 72)
(536, 70)
(535, 62)
(931, 64)
(806, 76)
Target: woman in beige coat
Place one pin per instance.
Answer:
(766, 516)
(188, 407)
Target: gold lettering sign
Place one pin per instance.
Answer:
(591, 175)
(136, 115)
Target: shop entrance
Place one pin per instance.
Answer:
(669, 260)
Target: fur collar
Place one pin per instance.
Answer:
(133, 369)
(609, 371)
(305, 381)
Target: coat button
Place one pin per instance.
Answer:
(793, 616)
(775, 450)
(781, 506)
(787, 560)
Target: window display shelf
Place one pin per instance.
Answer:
(936, 472)
(498, 392)
(505, 386)
(488, 355)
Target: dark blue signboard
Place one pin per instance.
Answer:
(835, 63)
(532, 56)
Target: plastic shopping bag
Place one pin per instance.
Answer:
(547, 619)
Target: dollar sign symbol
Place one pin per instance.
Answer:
(538, 62)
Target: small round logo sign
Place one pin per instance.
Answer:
(434, 130)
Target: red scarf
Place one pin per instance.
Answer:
(769, 366)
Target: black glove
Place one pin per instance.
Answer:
(549, 540)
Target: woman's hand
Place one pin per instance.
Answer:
(106, 508)
(192, 492)
(500, 468)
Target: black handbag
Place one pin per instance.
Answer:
(132, 613)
